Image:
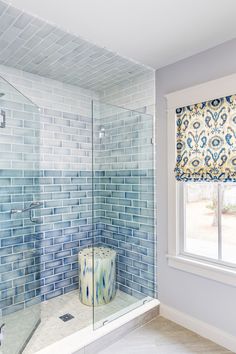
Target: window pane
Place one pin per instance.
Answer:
(228, 200)
(201, 220)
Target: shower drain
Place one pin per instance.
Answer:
(66, 317)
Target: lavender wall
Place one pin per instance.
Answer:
(206, 300)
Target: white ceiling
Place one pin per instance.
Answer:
(152, 32)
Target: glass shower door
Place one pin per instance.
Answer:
(124, 253)
(19, 219)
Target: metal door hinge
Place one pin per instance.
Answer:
(2, 119)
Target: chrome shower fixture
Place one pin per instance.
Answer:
(2, 119)
(2, 114)
(102, 132)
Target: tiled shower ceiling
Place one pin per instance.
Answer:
(30, 44)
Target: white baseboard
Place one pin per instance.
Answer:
(202, 328)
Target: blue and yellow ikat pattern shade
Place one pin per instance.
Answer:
(206, 141)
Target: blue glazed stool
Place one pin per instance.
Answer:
(104, 276)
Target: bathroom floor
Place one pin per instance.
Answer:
(52, 328)
(161, 336)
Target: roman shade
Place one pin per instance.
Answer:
(206, 141)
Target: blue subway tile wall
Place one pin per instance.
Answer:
(48, 157)
(124, 220)
(36, 46)
(127, 225)
(43, 255)
(19, 256)
(124, 156)
(44, 156)
(127, 142)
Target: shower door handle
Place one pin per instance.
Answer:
(32, 205)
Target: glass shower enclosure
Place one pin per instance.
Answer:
(123, 211)
(119, 218)
(19, 219)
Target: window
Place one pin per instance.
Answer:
(209, 221)
(202, 204)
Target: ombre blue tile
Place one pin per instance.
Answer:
(13, 308)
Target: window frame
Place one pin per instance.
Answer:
(198, 265)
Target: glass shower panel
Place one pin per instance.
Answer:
(19, 219)
(123, 211)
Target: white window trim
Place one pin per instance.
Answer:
(204, 92)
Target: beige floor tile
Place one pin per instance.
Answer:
(161, 336)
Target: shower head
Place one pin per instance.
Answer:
(102, 132)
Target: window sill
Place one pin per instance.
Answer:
(219, 273)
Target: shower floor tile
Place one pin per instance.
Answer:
(52, 328)
(18, 327)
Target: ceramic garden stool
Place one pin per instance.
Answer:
(104, 275)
